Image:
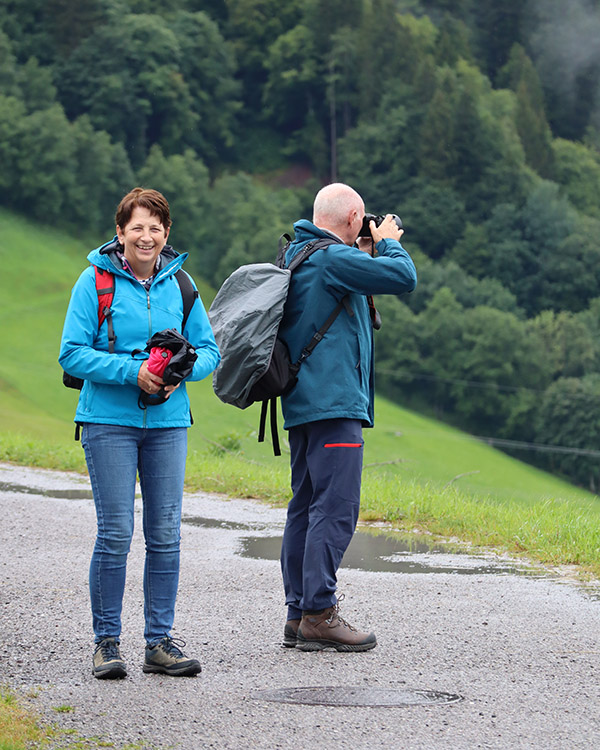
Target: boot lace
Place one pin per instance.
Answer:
(335, 615)
(109, 650)
(173, 646)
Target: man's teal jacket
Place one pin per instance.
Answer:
(110, 392)
(337, 380)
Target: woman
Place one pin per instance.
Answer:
(122, 437)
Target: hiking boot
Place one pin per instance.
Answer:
(108, 663)
(290, 632)
(326, 629)
(166, 657)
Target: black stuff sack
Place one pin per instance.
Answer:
(180, 364)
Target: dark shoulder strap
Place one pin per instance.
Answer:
(318, 336)
(284, 242)
(188, 294)
(263, 422)
(308, 250)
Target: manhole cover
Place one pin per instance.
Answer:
(356, 696)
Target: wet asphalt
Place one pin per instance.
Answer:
(499, 657)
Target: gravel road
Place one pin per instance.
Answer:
(522, 651)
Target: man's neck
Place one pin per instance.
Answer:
(332, 233)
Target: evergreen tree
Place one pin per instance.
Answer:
(520, 75)
(8, 67)
(437, 161)
(453, 42)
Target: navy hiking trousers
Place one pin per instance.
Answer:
(326, 461)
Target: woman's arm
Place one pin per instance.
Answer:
(77, 355)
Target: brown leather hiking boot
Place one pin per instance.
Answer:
(328, 630)
(290, 633)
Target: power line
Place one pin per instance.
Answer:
(457, 381)
(499, 442)
(503, 443)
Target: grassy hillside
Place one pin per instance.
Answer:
(416, 472)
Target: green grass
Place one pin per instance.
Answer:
(19, 728)
(418, 473)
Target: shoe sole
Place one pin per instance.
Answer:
(182, 672)
(112, 673)
(290, 636)
(303, 645)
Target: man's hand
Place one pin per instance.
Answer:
(388, 229)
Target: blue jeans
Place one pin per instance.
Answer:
(114, 456)
(326, 460)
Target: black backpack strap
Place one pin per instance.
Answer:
(188, 294)
(308, 250)
(318, 336)
(110, 330)
(274, 434)
(263, 423)
(284, 242)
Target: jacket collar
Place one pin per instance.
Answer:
(106, 257)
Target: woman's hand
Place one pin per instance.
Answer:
(147, 381)
(151, 383)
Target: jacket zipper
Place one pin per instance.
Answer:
(149, 334)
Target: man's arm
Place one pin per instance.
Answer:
(391, 272)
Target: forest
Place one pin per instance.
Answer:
(478, 122)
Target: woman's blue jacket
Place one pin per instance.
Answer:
(337, 381)
(110, 391)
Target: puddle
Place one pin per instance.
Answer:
(218, 523)
(71, 494)
(357, 696)
(371, 552)
(390, 554)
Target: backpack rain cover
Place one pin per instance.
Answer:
(245, 317)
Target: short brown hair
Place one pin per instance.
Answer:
(154, 201)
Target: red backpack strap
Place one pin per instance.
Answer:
(105, 289)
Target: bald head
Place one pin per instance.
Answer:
(340, 209)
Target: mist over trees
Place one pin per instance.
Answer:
(478, 122)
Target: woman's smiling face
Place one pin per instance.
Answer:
(143, 238)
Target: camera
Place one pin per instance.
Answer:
(365, 230)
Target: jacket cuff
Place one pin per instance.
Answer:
(132, 372)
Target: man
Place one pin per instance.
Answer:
(332, 401)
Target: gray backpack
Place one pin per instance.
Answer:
(245, 317)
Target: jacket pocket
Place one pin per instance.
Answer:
(359, 363)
